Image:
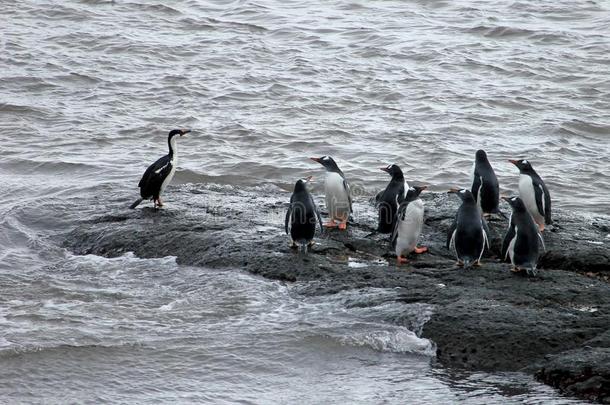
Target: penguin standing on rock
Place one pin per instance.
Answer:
(485, 187)
(338, 198)
(302, 216)
(521, 242)
(469, 233)
(534, 193)
(389, 199)
(159, 174)
(408, 225)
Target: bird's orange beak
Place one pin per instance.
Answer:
(315, 159)
(453, 190)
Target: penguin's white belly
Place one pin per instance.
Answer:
(528, 195)
(337, 200)
(410, 228)
(511, 247)
(169, 177)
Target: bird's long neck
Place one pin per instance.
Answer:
(173, 149)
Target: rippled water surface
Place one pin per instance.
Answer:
(89, 90)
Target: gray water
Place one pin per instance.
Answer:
(89, 89)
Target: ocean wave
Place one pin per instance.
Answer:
(398, 340)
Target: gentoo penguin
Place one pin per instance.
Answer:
(485, 187)
(159, 174)
(522, 238)
(534, 193)
(469, 233)
(389, 199)
(408, 224)
(338, 198)
(302, 216)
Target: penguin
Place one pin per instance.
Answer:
(408, 225)
(159, 174)
(389, 200)
(534, 193)
(338, 198)
(485, 188)
(469, 233)
(522, 240)
(302, 216)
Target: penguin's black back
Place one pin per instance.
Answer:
(485, 185)
(302, 217)
(469, 237)
(526, 248)
(388, 205)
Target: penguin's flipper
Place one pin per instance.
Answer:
(318, 216)
(510, 235)
(349, 195)
(547, 205)
(542, 241)
(287, 220)
(450, 233)
(402, 193)
(540, 198)
(476, 185)
(485, 231)
(400, 213)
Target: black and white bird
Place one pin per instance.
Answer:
(337, 193)
(159, 174)
(485, 187)
(534, 193)
(389, 199)
(522, 240)
(408, 225)
(302, 216)
(468, 234)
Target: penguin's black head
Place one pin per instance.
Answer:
(465, 195)
(523, 165)
(515, 202)
(393, 170)
(328, 163)
(301, 184)
(180, 132)
(481, 156)
(414, 192)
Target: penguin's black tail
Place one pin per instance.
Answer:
(136, 203)
(303, 244)
(467, 263)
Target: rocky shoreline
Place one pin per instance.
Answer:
(555, 326)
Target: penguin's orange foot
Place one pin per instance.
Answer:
(515, 269)
(293, 245)
(541, 227)
(330, 224)
(343, 226)
(420, 250)
(401, 260)
(459, 263)
(476, 264)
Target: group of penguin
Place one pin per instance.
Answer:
(401, 210)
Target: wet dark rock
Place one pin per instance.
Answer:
(583, 372)
(556, 325)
